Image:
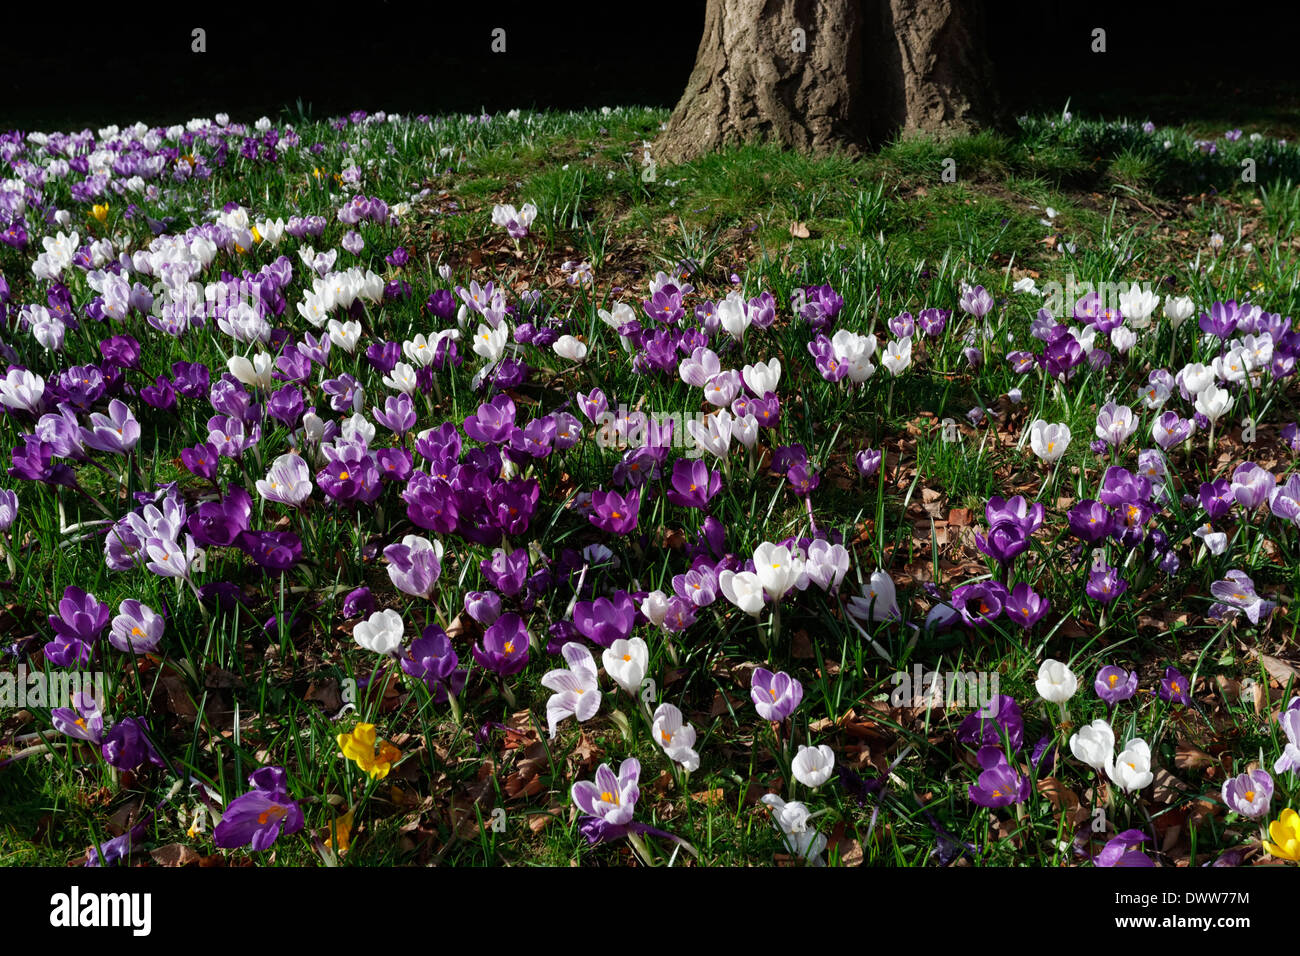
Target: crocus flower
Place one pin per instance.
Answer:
(504, 648)
(381, 632)
(577, 693)
(1056, 682)
(82, 618)
(1285, 835)
(1131, 770)
(1049, 442)
(999, 784)
(126, 746)
(813, 766)
(1290, 724)
(137, 629)
(626, 661)
(777, 568)
(1114, 684)
(613, 512)
(1251, 485)
(288, 482)
(1236, 594)
(1175, 687)
(1104, 584)
(1249, 794)
(743, 589)
(116, 433)
(1003, 720)
(867, 462)
(605, 620)
(414, 565)
(879, 600)
(261, 815)
(375, 757)
(1094, 744)
(433, 660)
(981, 603)
(612, 799)
(791, 819)
(775, 696)
(82, 721)
(693, 485)
(1025, 606)
(1121, 850)
(675, 736)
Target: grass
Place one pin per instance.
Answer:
(274, 677)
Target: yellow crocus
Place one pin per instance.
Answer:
(360, 747)
(1285, 831)
(99, 211)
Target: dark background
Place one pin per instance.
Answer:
(88, 65)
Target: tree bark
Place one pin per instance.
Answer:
(827, 75)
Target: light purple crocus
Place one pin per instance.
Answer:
(414, 565)
(137, 629)
(1236, 594)
(1251, 485)
(116, 433)
(83, 720)
(1114, 684)
(1249, 794)
(775, 696)
(610, 798)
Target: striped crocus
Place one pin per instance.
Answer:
(775, 696)
(1249, 794)
(610, 798)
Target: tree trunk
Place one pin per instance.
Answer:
(826, 75)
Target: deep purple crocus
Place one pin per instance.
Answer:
(432, 659)
(693, 485)
(1104, 584)
(1025, 606)
(1175, 687)
(261, 815)
(613, 512)
(504, 648)
(127, 747)
(1122, 850)
(506, 572)
(990, 729)
(81, 619)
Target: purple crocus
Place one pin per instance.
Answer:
(1114, 684)
(775, 696)
(989, 729)
(127, 747)
(432, 659)
(603, 620)
(693, 485)
(137, 629)
(867, 461)
(999, 783)
(980, 603)
(506, 572)
(612, 798)
(504, 648)
(483, 606)
(1249, 794)
(494, 421)
(414, 565)
(220, 523)
(1090, 520)
(82, 721)
(116, 433)
(1236, 594)
(1104, 584)
(259, 816)
(81, 619)
(1251, 485)
(1122, 850)
(1174, 687)
(1025, 606)
(613, 512)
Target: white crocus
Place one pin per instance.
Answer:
(1196, 378)
(792, 820)
(577, 692)
(255, 372)
(345, 335)
(713, 433)
(1049, 441)
(402, 378)
(675, 736)
(813, 766)
(1138, 305)
(288, 482)
(490, 343)
(1179, 310)
(1056, 682)
(897, 355)
(762, 377)
(1213, 402)
(626, 661)
(381, 632)
(655, 607)
(1131, 770)
(776, 568)
(568, 347)
(1094, 744)
(733, 315)
(743, 589)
